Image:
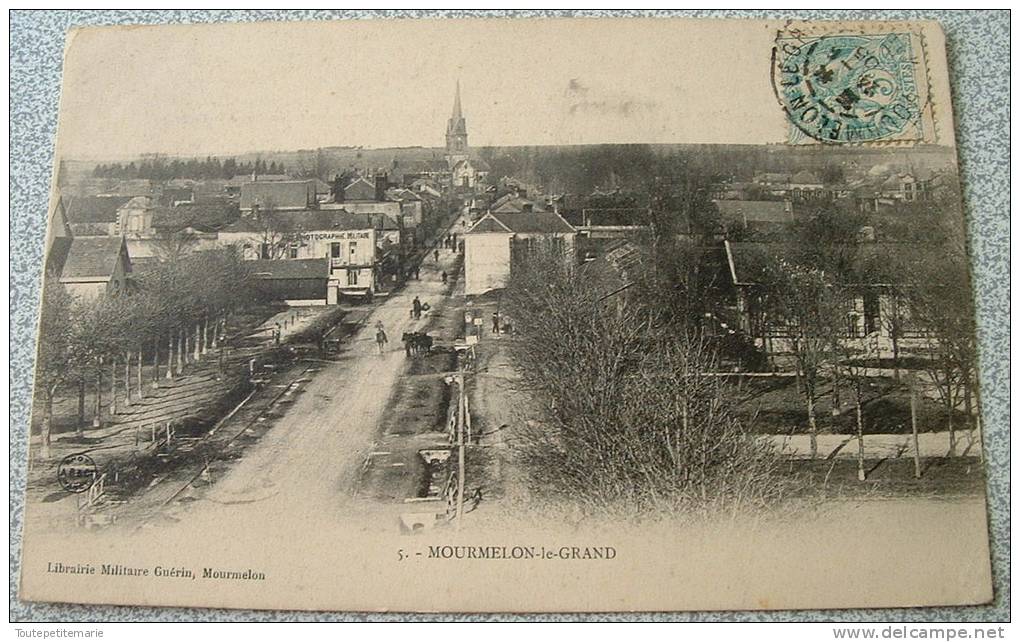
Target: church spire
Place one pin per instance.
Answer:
(456, 132)
(456, 105)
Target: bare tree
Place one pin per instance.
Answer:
(56, 347)
(811, 310)
(633, 417)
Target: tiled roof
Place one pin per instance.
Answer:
(56, 255)
(360, 189)
(770, 177)
(805, 178)
(139, 203)
(755, 211)
(278, 194)
(241, 179)
(134, 187)
(513, 203)
(534, 222)
(93, 209)
(306, 221)
(489, 224)
(205, 216)
(287, 269)
(747, 261)
(91, 257)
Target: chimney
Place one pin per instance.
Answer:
(338, 189)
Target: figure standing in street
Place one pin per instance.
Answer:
(380, 337)
(417, 273)
(495, 322)
(435, 255)
(417, 308)
(444, 277)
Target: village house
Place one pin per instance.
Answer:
(134, 218)
(89, 267)
(412, 209)
(468, 173)
(232, 187)
(806, 186)
(871, 317)
(278, 195)
(93, 215)
(775, 184)
(361, 261)
(296, 282)
(499, 239)
(174, 231)
(134, 187)
(174, 195)
(754, 218)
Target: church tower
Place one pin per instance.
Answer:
(456, 133)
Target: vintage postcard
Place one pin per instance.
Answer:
(507, 315)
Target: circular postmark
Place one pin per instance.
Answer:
(77, 473)
(849, 88)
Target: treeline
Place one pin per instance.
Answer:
(584, 168)
(162, 169)
(173, 316)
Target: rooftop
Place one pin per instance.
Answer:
(93, 209)
(290, 269)
(85, 258)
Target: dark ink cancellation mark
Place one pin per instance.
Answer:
(77, 473)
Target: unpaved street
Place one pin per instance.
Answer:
(309, 461)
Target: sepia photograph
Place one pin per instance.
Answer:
(490, 315)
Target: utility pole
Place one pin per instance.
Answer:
(913, 425)
(460, 447)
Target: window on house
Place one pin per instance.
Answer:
(352, 277)
(872, 313)
(334, 250)
(292, 251)
(852, 328)
(354, 249)
(265, 251)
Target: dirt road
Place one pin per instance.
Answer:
(308, 463)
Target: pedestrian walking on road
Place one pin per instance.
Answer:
(435, 255)
(495, 322)
(417, 273)
(444, 277)
(380, 337)
(417, 308)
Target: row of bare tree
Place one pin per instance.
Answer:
(922, 289)
(171, 316)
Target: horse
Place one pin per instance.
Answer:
(416, 343)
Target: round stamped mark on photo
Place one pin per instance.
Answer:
(849, 88)
(76, 473)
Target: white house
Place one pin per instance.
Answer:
(499, 238)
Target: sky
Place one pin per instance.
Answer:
(233, 88)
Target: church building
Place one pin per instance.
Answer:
(465, 170)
